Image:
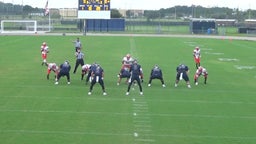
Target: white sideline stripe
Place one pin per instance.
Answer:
(64, 132)
(124, 99)
(143, 116)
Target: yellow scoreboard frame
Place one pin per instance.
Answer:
(94, 9)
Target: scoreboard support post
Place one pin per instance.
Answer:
(84, 28)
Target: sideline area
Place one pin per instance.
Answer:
(137, 35)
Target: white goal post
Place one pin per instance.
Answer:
(18, 26)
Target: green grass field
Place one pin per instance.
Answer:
(35, 111)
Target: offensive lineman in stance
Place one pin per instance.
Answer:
(64, 71)
(89, 75)
(156, 73)
(97, 77)
(124, 73)
(136, 75)
(182, 73)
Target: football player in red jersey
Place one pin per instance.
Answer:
(85, 70)
(127, 60)
(197, 56)
(200, 71)
(44, 52)
(52, 67)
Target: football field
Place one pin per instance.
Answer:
(33, 110)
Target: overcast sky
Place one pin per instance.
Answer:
(142, 4)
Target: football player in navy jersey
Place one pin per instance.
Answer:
(124, 73)
(91, 69)
(182, 73)
(64, 71)
(97, 75)
(156, 73)
(136, 75)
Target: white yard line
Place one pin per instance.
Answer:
(143, 116)
(64, 132)
(22, 131)
(138, 103)
(140, 106)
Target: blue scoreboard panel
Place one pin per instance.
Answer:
(94, 9)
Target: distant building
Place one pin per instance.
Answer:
(250, 23)
(68, 12)
(134, 12)
(36, 14)
(122, 12)
(226, 22)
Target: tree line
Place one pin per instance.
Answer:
(201, 12)
(177, 12)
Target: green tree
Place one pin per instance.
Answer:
(129, 13)
(152, 14)
(115, 13)
(27, 9)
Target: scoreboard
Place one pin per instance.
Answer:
(94, 9)
(94, 5)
